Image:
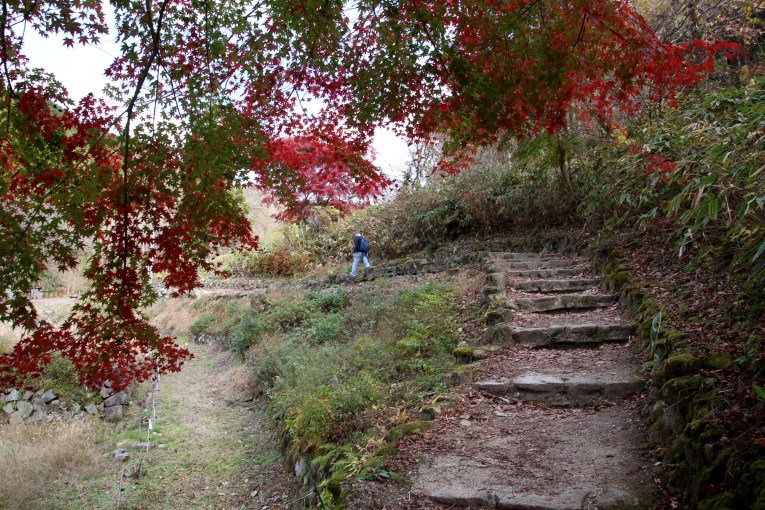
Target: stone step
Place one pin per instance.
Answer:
(522, 256)
(572, 285)
(562, 302)
(552, 389)
(471, 497)
(571, 334)
(545, 273)
(524, 458)
(541, 264)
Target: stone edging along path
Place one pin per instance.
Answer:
(552, 422)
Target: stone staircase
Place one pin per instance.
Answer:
(557, 428)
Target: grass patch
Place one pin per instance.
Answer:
(338, 378)
(207, 454)
(32, 457)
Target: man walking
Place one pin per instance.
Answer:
(360, 251)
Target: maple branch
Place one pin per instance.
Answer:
(32, 7)
(131, 105)
(3, 22)
(581, 30)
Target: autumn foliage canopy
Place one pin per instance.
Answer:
(284, 95)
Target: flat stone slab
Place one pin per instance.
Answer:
(570, 376)
(551, 389)
(603, 315)
(570, 500)
(523, 256)
(531, 458)
(569, 285)
(540, 264)
(571, 334)
(545, 273)
(562, 302)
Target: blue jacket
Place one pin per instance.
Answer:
(357, 244)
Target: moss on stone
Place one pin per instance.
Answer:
(617, 280)
(658, 409)
(490, 290)
(680, 364)
(497, 315)
(681, 387)
(463, 354)
(500, 334)
(717, 360)
(676, 339)
(428, 413)
(660, 349)
(410, 345)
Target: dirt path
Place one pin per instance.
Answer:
(211, 448)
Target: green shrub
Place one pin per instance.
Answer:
(286, 315)
(59, 375)
(327, 328)
(327, 300)
(204, 324)
(696, 169)
(245, 333)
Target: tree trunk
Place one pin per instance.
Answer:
(563, 167)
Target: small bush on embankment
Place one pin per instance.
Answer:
(342, 372)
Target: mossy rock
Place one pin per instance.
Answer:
(647, 309)
(697, 426)
(710, 472)
(668, 423)
(463, 354)
(676, 339)
(497, 315)
(456, 376)
(490, 291)
(617, 278)
(660, 349)
(676, 451)
(717, 361)
(658, 409)
(428, 413)
(500, 334)
(497, 279)
(681, 387)
(680, 364)
(711, 434)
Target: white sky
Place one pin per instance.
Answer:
(81, 70)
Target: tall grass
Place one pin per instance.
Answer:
(33, 457)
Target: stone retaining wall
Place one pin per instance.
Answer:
(25, 406)
(680, 413)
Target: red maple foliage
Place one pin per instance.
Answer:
(214, 97)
